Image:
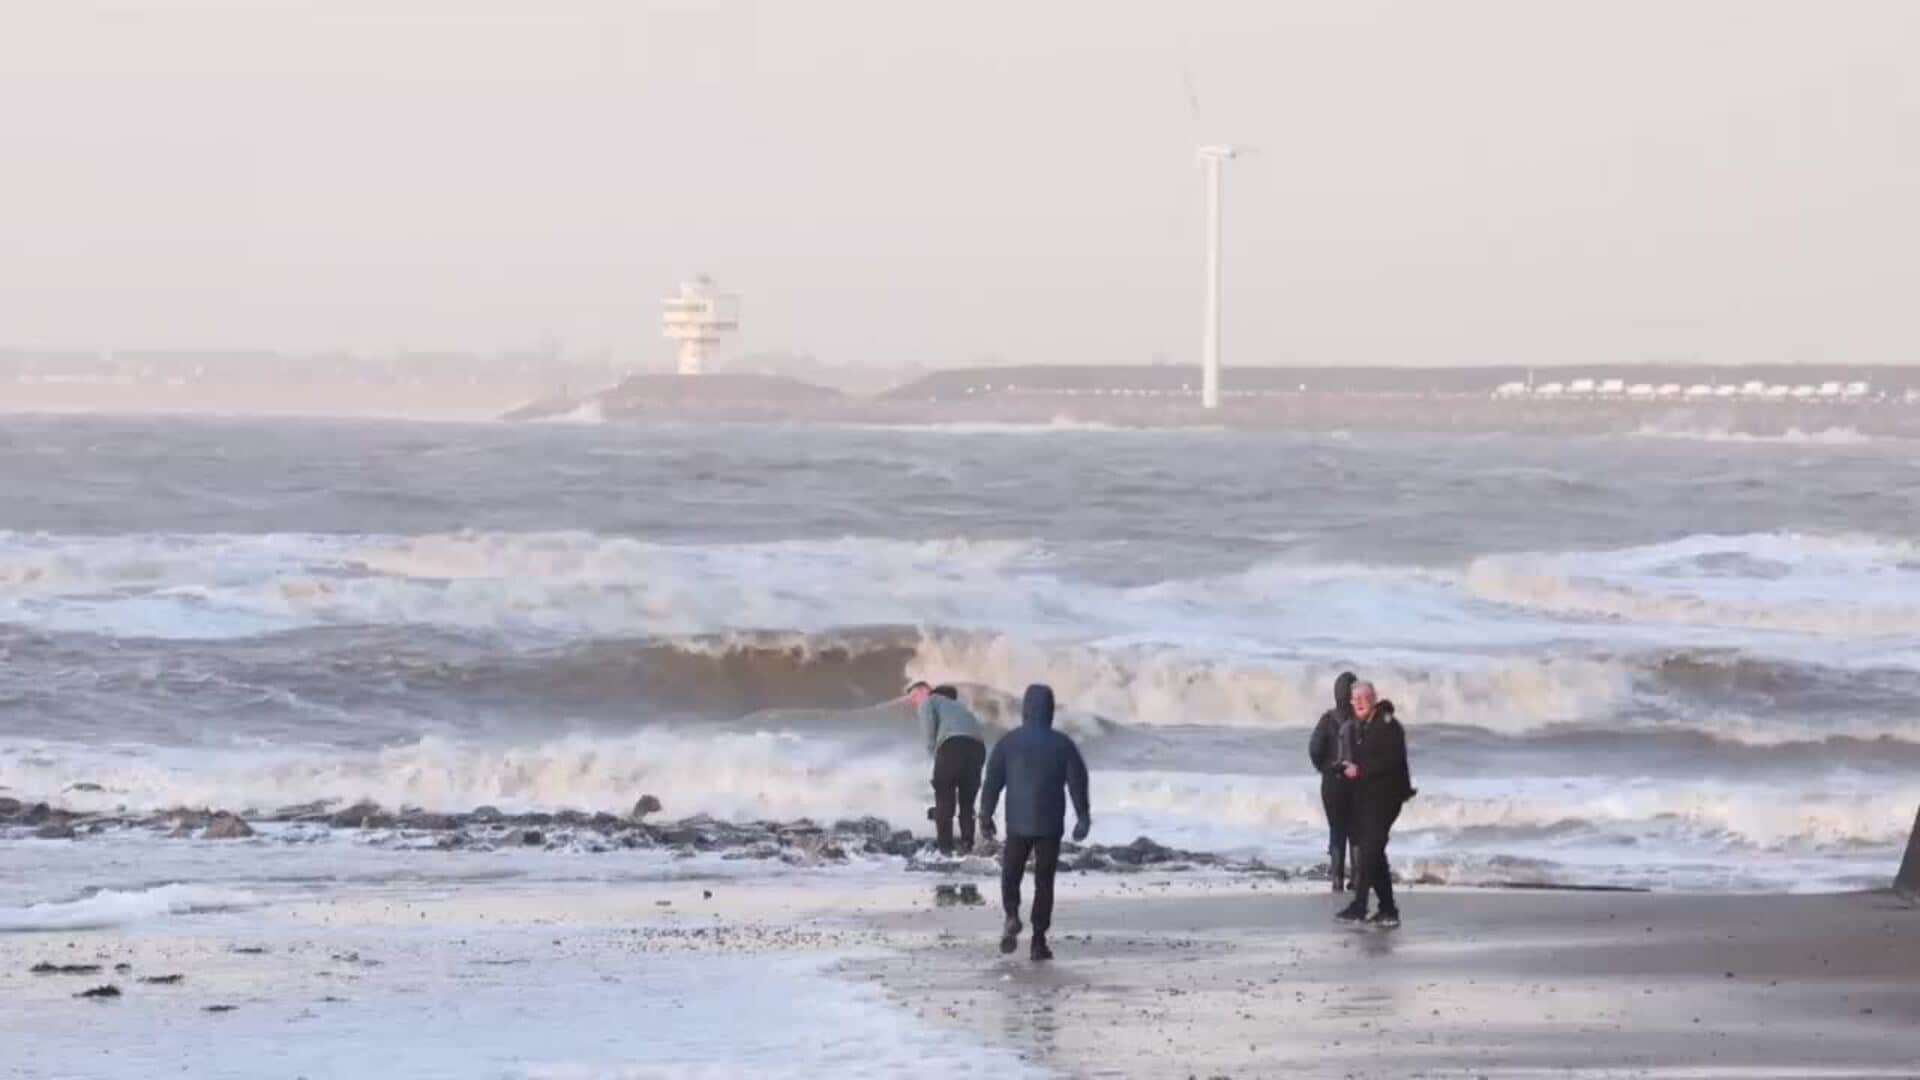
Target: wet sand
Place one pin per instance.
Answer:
(1239, 982)
(1156, 975)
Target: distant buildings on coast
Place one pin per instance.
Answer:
(1832, 391)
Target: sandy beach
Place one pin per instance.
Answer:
(866, 973)
(1233, 982)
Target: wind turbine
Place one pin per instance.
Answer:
(1211, 159)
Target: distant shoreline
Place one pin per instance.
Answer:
(1054, 399)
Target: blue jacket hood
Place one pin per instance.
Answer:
(1036, 709)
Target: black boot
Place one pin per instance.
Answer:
(1039, 949)
(1337, 870)
(1010, 935)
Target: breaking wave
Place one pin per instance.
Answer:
(787, 774)
(1859, 587)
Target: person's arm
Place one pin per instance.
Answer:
(996, 779)
(1320, 746)
(930, 725)
(1407, 790)
(1077, 787)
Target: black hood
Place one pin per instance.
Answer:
(1343, 694)
(1036, 709)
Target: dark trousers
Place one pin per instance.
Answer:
(1370, 835)
(956, 783)
(1336, 797)
(1045, 852)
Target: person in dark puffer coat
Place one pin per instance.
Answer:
(1037, 767)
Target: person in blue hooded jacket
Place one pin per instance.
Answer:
(1037, 767)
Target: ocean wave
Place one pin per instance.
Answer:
(577, 584)
(789, 774)
(748, 775)
(1860, 587)
(1156, 685)
(357, 687)
(111, 907)
(1793, 436)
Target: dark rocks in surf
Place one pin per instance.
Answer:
(182, 823)
(45, 968)
(98, 992)
(316, 811)
(648, 804)
(1142, 852)
(163, 980)
(428, 822)
(225, 826)
(1088, 861)
(55, 829)
(801, 842)
(361, 815)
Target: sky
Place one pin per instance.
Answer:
(891, 181)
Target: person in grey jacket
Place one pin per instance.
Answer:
(1037, 767)
(954, 740)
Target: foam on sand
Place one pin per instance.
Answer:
(113, 907)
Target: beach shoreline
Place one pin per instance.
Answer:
(1244, 981)
(1157, 975)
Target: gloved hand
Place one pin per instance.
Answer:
(988, 829)
(1081, 828)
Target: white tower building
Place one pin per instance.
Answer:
(697, 318)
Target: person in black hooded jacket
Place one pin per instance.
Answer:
(1382, 784)
(1330, 748)
(1033, 765)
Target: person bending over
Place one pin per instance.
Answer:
(954, 741)
(1037, 767)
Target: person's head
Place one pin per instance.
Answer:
(1036, 709)
(918, 692)
(1343, 692)
(1364, 698)
(948, 692)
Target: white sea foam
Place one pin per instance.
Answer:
(110, 907)
(1857, 587)
(213, 587)
(1829, 436)
(776, 775)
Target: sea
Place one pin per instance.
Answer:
(1669, 662)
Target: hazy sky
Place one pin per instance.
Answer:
(1487, 181)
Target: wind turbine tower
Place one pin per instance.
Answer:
(1211, 160)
